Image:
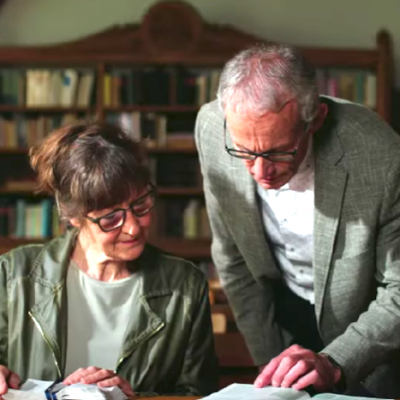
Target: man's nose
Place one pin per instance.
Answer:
(261, 167)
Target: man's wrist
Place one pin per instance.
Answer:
(339, 378)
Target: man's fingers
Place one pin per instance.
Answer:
(307, 380)
(264, 378)
(300, 369)
(286, 364)
(13, 381)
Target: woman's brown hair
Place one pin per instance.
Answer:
(89, 166)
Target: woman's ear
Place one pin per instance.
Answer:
(75, 222)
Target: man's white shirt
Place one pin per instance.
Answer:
(288, 218)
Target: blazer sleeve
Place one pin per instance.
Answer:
(375, 336)
(251, 302)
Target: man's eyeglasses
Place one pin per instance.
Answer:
(278, 156)
(116, 218)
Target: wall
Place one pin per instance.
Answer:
(343, 23)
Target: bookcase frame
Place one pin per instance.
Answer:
(172, 33)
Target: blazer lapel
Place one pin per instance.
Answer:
(330, 184)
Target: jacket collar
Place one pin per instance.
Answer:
(49, 313)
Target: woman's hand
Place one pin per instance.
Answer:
(8, 379)
(101, 377)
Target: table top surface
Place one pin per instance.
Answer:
(172, 398)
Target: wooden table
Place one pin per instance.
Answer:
(171, 398)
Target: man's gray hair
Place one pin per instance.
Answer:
(265, 77)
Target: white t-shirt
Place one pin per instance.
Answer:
(98, 316)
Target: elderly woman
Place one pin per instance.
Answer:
(99, 305)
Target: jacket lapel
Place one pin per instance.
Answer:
(330, 184)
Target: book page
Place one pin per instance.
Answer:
(332, 396)
(249, 392)
(32, 389)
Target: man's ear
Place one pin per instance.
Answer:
(320, 118)
(75, 222)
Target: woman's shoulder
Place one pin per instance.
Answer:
(20, 260)
(173, 271)
(23, 260)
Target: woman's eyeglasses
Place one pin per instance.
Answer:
(116, 218)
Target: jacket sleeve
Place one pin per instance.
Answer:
(199, 375)
(372, 339)
(252, 302)
(3, 311)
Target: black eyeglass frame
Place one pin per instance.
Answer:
(152, 191)
(252, 155)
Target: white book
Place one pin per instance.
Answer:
(34, 389)
(370, 90)
(238, 391)
(69, 88)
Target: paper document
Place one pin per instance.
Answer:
(34, 389)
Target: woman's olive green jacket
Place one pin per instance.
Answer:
(168, 348)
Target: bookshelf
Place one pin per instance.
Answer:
(152, 78)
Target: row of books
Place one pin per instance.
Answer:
(23, 219)
(152, 86)
(159, 130)
(183, 219)
(198, 86)
(358, 86)
(47, 87)
(20, 130)
(175, 170)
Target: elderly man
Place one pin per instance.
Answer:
(303, 194)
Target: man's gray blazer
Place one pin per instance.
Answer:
(356, 260)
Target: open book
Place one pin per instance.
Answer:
(34, 389)
(249, 392)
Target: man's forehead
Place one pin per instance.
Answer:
(289, 115)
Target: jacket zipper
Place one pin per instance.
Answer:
(134, 347)
(48, 343)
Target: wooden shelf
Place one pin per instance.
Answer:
(161, 191)
(179, 191)
(45, 109)
(151, 150)
(194, 249)
(154, 108)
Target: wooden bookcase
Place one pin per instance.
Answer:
(172, 37)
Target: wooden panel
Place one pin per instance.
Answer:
(227, 342)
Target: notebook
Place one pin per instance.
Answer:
(34, 389)
(238, 391)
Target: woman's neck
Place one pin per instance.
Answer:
(96, 263)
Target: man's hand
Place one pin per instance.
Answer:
(8, 379)
(298, 368)
(101, 377)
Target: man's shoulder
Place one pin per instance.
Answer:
(210, 120)
(360, 127)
